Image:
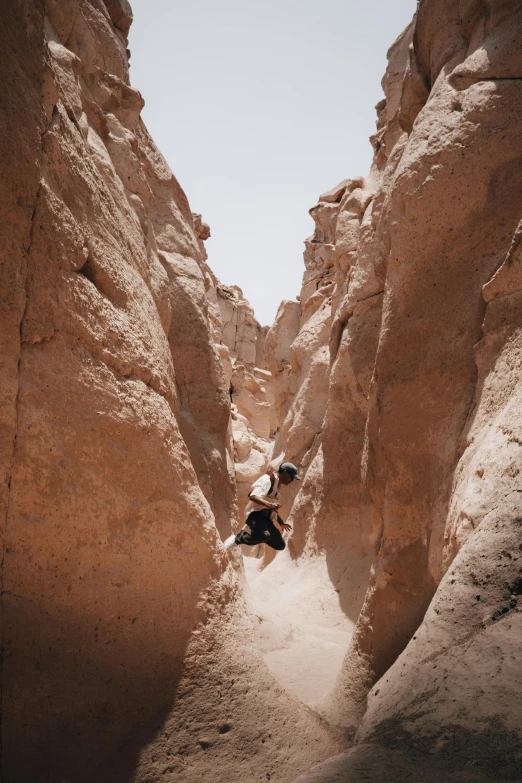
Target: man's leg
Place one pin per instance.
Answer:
(276, 540)
(259, 532)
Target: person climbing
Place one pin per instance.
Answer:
(262, 507)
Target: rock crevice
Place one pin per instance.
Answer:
(141, 398)
(122, 616)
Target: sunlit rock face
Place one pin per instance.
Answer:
(127, 651)
(240, 343)
(419, 459)
(140, 399)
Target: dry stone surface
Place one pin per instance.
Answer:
(127, 652)
(141, 398)
(240, 343)
(418, 467)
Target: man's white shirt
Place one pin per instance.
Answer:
(261, 489)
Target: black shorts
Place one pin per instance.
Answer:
(262, 531)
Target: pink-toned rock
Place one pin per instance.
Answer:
(278, 342)
(202, 229)
(126, 649)
(141, 398)
(240, 343)
(240, 327)
(423, 408)
(120, 13)
(334, 195)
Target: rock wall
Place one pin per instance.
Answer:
(417, 473)
(240, 342)
(136, 388)
(126, 652)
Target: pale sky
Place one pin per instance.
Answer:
(259, 106)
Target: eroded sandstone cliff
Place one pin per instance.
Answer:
(127, 652)
(140, 399)
(416, 466)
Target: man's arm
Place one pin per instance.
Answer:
(283, 524)
(266, 503)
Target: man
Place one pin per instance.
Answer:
(262, 508)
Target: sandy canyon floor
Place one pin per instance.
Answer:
(301, 631)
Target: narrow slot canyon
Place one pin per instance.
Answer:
(304, 607)
(141, 400)
(299, 626)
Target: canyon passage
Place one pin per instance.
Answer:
(140, 399)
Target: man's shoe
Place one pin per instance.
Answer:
(230, 541)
